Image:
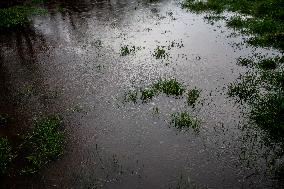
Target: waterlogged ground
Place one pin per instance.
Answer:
(71, 61)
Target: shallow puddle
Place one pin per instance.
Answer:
(70, 62)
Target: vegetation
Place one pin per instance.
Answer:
(184, 120)
(192, 96)
(265, 21)
(126, 50)
(18, 15)
(160, 53)
(5, 155)
(166, 86)
(262, 88)
(43, 144)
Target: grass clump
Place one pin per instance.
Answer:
(43, 144)
(5, 155)
(166, 86)
(18, 15)
(160, 53)
(192, 96)
(169, 87)
(126, 50)
(184, 120)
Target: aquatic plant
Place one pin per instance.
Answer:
(192, 96)
(5, 155)
(43, 144)
(184, 120)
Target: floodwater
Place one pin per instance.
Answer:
(69, 62)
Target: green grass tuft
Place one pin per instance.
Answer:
(160, 53)
(192, 96)
(166, 86)
(184, 120)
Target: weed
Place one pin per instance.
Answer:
(184, 120)
(192, 96)
(160, 53)
(5, 155)
(43, 144)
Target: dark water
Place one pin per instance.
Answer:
(69, 62)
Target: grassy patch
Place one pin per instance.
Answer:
(265, 22)
(262, 88)
(160, 53)
(268, 112)
(18, 15)
(5, 155)
(184, 120)
(192, 96)
(43, 144)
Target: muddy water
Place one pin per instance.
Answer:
(69, 62)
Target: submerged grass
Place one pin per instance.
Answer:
(43, 144)
(5, 155)
(184, 121)
(262, 88)
(266, 21)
